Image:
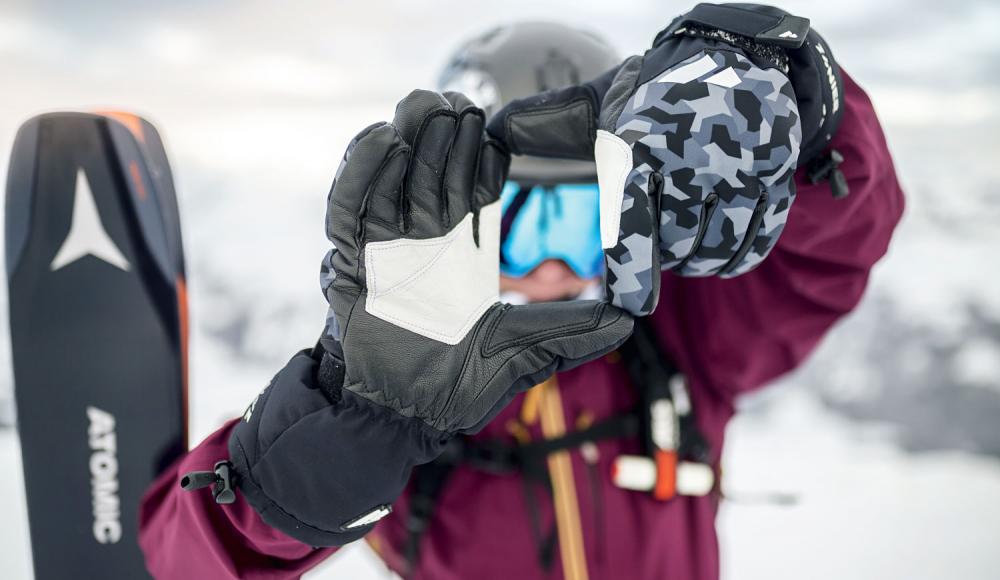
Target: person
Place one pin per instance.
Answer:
(745, 192)
(550, 232)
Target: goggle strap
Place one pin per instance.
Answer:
(507, 221)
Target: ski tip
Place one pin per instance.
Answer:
(74, 140)
(142, 129)
(134, 123)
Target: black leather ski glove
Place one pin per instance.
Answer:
(415, 219)
(417, 346)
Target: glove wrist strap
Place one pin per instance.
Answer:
(331, 369)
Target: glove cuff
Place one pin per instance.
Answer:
(768, 53)
(324, 472)
(791, 45)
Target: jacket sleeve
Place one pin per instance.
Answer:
(312, 465)
(185, 534)
(734, 335)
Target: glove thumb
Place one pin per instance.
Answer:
(527, 344)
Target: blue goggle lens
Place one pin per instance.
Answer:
(559, 222)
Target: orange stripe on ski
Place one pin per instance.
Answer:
(182, 316)
(132, 122)
(140, 189)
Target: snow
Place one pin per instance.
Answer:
(860, 507)
(886, 441)
(864, 508)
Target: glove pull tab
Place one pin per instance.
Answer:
(826, 167)
(220, 479)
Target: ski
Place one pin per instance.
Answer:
(98, 322)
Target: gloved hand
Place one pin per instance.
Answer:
(417, 347)
(415, 219)
(696, 142)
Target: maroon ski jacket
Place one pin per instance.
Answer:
(727, 336)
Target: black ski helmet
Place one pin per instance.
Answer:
(523, 59)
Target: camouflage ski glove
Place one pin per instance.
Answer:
(414, 280)
(696, 142)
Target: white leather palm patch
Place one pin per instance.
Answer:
(437, 287)
(614, 162)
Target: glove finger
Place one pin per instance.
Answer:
(557, 124)
(491, 174)
(459, 102)
(772, 222)
(687, 204)
(358, 171)
(425, 207)
(723, 230)
(382, 219)
(463, 161)
(414, 109)
(725, 227)
(732, 239)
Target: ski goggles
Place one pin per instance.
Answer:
(560, 222)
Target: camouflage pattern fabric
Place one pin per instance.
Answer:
(715, 141)
(327, 274)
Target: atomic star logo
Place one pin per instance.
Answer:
(87, 236)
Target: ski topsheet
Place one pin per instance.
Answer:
(98, 333)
